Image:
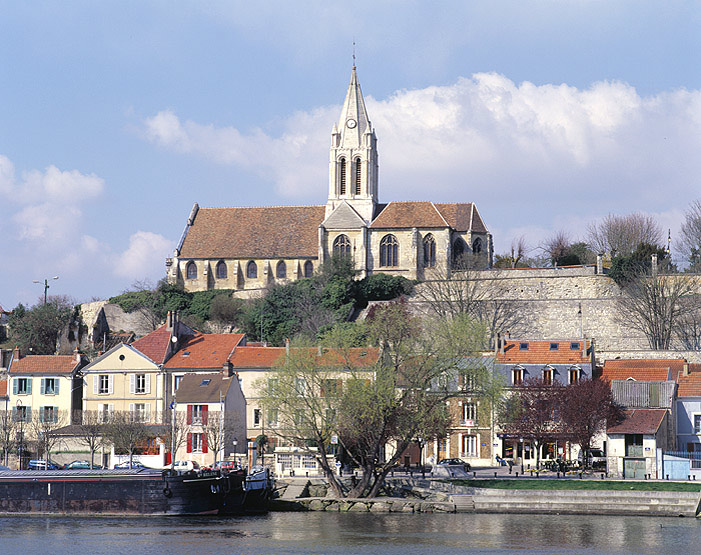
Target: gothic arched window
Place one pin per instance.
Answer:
(281, 269)
(191, 270)
(358, 176)
(342, 176)
(477, 246)
(221, 270)
(342, 246)
(308, 269)
(252, 270)
(458, 252)
(389, 251)
(429, 251)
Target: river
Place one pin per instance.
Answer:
(348, 533)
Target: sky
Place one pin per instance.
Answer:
(117, 116)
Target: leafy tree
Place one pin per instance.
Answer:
(586, 410)
(37, 330)
(227, 311)
(380, 287)
(639, 262)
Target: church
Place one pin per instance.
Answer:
(250, 248)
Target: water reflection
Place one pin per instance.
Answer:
(381, 534)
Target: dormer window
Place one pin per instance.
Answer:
(523, 346)
(554, 346)
(574, 374)
(517, 376)
(574, 346)
(205, 383)
(548, 375)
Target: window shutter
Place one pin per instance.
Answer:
(29, 386)
(132, 411)
(15, 386)
(95, 384)
(57, 381)
(110, 384)
(204, 443)
(148, 383)
(147, 413)
(100, 412)
(132, 383)
(110, 411)
(189, 442)
(42, 413)
(43, 386)
(189, 416)
(14, 414)
(28, 415)
(205, 409)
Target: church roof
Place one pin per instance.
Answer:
(254, 232)
(425, 214)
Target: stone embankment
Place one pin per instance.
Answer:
(431, 496)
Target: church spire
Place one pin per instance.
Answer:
(353, 162)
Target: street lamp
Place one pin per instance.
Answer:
(523, 453)
(20, 416)
(46, 286)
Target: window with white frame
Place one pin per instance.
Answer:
(197, 442)
(272, 418)
(21, 413)
(140, 384)
(102, 384)
(105, 412)
(574, 374)
(469, 413)
(140, 412)
(176, 382)
(697, 423)
(198, 414)
(48, 414)
(49, 386)
(469, 446)
(22, 386)
(256, 418)
(300, 386)
(517, 376)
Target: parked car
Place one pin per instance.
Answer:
(3, 467)
(596, 458)
(456, 462)
(228, 466)
(75, 465)
(186, 466)
(40, 464)
(134, 464)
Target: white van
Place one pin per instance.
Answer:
(186, 466)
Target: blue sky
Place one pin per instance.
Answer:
(115, 117)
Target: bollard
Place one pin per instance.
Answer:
(517, 474)
(558, 473)
(602, 476)
(537, 474)
(580, 476)
(474, 474)
(688, 477)
(667, 476)
(392, 473)
(495, 474)
(307, 474)
(646, 476)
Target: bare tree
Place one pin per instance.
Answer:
(618, 235)
(557, 246)
(176, 436)
(126, 433)
(519, 250)
(90, 426)
(688, 327)
(689, 243)
(8, 427)
(44, 427)
(219, 429)
(655, 304)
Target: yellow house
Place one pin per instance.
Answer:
(45, 387)
(126, 380)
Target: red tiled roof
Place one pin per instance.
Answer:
(3, 388)
(44, 364)
(155, 344)
(205, 350)
(254, 232)
(203, 388)
(690, 386)
(462, 216)
(644, 367)
(539, 352)
(256, 357)
(408, 215)
(639, 421)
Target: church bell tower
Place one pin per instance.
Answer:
(353, 162)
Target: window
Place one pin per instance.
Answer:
(222, 271)
(22, 386)
(330, 417)
(272, 386)
(102, 384)
(191, 270)
(272, 418)
(205, 382)
(48, 414)
(176, 382)
(281, 270)
(574, 374)
(634, 445)
(477, 246)
(256, 418)
(21, 413)
(458, 252)
(554, 346)
(389, 251)
(308, 269)
(469, 413)
(523, 346)
(342, 176)
(140, 412)
(697, 423)
(358, 175)
(105, 412)
(429, 251)
(301, 386)
(330, 388)
(469, 446)
(298, 418)
(197, 414)
(251, 270)
(196, 442)
(517, 376)
(574, 346)
(140, 384)
(342, 246)
(49, 386)
(548, 375)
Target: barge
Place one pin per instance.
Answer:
(139, 491)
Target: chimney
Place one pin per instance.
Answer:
(169, 320)
(497, 343)
(318, 350)
(502, 343)
(685, 372)
(78, 356)
(654, 264)
(16, 353)
(287, 346)
(599, 264)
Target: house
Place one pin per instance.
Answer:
(45, 387)
(550, 361)
(688, 405)
(248, 248)
(214, 411)
(633, 444)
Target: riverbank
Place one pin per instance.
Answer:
(621, 498)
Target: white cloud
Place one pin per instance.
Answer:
(144, 256)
